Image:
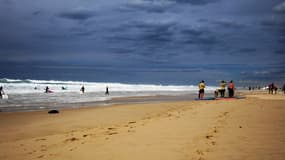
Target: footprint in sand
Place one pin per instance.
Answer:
(215, 130)
(131, 131)
(213, 143)
(71, 139)
(41, 156)
(41, 139)
(72, 149)
(169, 115)
(209, 136)
(223, 115)
(201, 158)
(132, 122)
(199, 152)
(43, 148)
(112, 133)
(111, 128)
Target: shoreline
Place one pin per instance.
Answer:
(251, 128)
(108, 102)
(105, 103)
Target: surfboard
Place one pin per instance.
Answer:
(5, 96)
(206, 98)
(229, 98)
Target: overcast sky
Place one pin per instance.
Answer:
(243, 39)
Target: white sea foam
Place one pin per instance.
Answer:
(29, 94)
(17, 86)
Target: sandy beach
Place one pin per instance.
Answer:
(252, 128)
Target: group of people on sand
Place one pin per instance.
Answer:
(272, 88)
(221, 90)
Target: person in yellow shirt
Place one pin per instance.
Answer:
(201, 89)
(223, 86)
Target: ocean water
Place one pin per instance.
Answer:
(28, 95)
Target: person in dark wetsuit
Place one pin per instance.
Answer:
(107, 91)
(82, 89)
(1, 92)
(46, 89)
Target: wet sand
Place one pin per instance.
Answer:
(251, 128)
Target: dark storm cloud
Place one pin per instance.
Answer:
(77, 14)
(281, 52)
(164, 34)
(147, 32)
(7, 2)
(195, 2)
(277, 23)
(146, 5)
(247, 50)
(280, 8)
(265, 75)
(192, 32)
(229, 24)
(155, 32)
(159, 6)
(281, 40)
(198, 36)
(35, 13)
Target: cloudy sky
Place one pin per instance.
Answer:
(207, 39)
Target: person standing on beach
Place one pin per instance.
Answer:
(82, 89)
(275, 88)
(270, 88)
(231, 88)
(223, 85)
(283, 88)
(201, 89)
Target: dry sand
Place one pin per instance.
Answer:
(251, 129)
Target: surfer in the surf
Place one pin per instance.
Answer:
(201, 89)
(1, 91)
(82, 89)
(107, 91)
(46, 89)
(231, 88)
